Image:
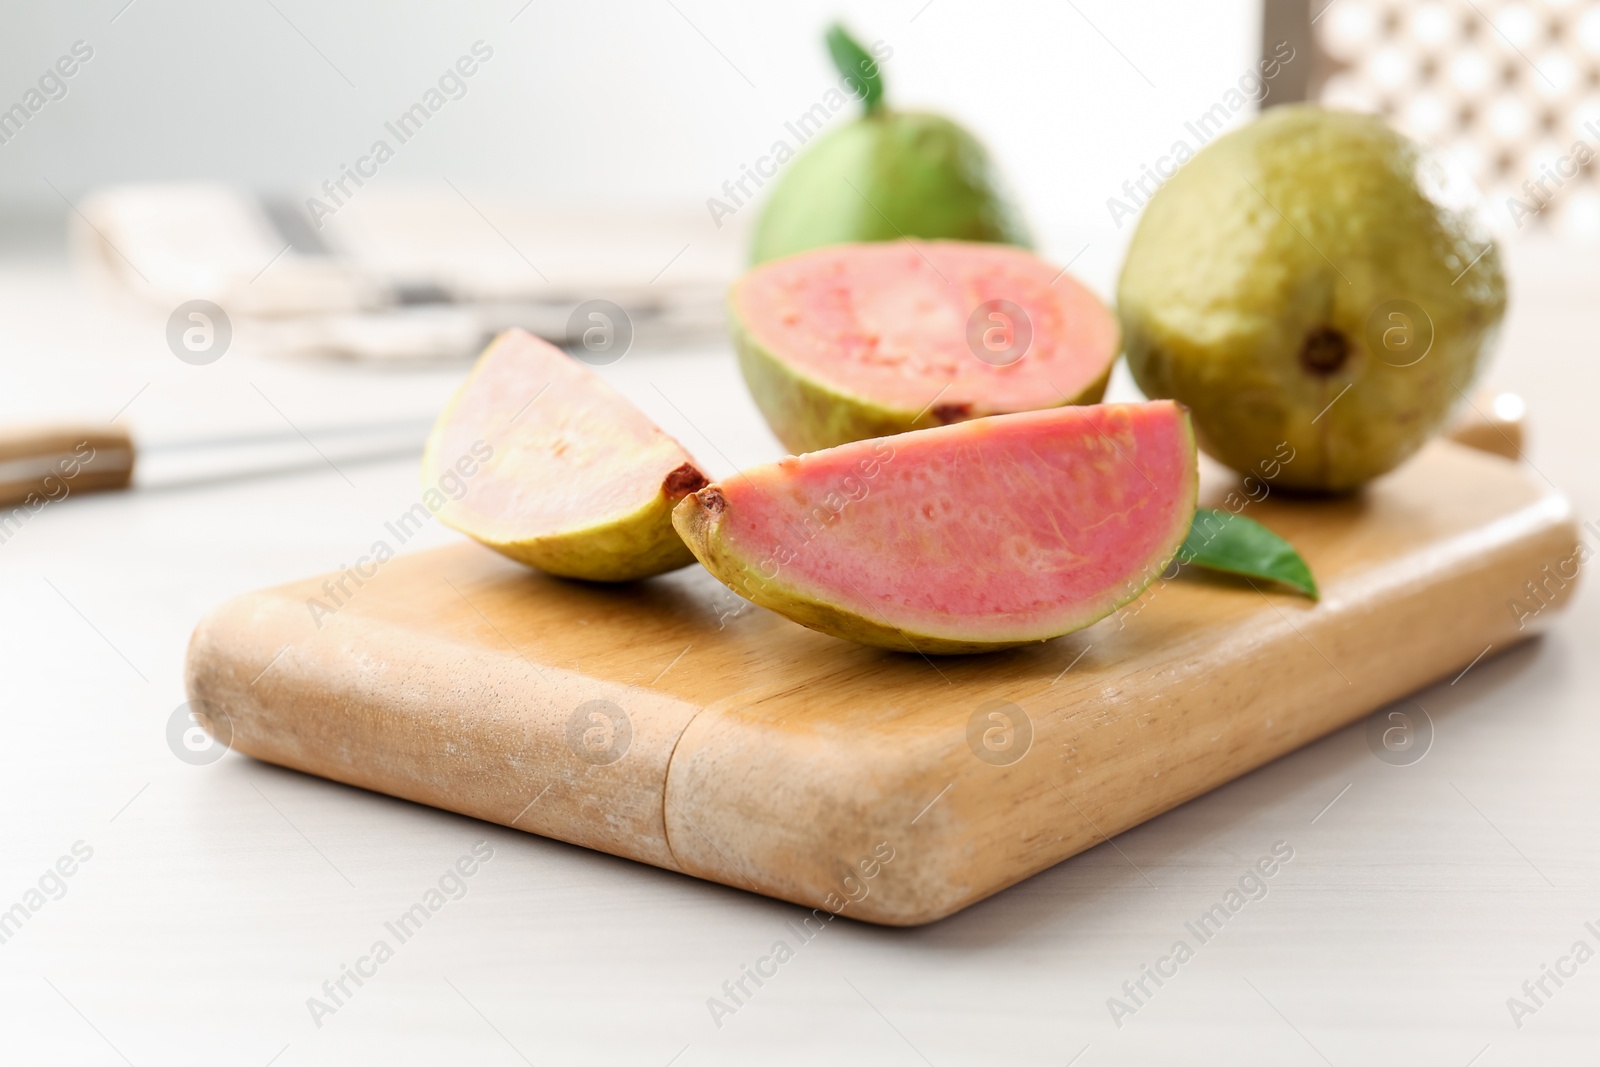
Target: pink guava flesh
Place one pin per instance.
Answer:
(541, 460)
(890, 323)
(981, 534)
(568, 452)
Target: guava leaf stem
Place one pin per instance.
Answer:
(1233, 544)
(857, 67)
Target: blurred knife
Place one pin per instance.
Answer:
(48, 463)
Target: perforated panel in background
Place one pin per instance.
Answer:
(1509, 92)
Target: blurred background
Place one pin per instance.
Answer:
(652, 105)
(645, 104)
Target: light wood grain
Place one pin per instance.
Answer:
(772, 758)
(1491, 421)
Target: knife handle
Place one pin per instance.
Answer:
(43, 464)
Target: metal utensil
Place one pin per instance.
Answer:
(50, 462)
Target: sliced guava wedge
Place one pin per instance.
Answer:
(863, 340)
(966, 538)
(538, 458)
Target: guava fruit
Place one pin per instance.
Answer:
(886, 175)
(1311, 285)
(855, 341)
(965, 538)
(541, 460)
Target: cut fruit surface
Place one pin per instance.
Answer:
(855, 341)
(961, 538)
(538, 458)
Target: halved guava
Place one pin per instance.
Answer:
(855, 341)
(538, 458)
(966, 538)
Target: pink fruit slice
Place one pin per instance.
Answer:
(540, 459)
(855, 341)
(963, 538)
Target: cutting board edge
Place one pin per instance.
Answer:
(264, 724)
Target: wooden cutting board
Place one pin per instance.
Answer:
(673, 723)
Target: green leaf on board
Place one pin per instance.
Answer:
(857, 67)
(1221, 541)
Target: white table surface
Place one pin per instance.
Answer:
(219, 898)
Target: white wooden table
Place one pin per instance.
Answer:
(219, 898)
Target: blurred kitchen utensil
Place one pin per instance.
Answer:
(48, 463)
(403, 275)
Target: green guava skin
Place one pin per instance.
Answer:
(1305, 221)
(639, 545)
(887, 175)
(807, 415)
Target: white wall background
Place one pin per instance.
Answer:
(623, 103)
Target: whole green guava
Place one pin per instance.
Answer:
(1314, 287)
(886, 175)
